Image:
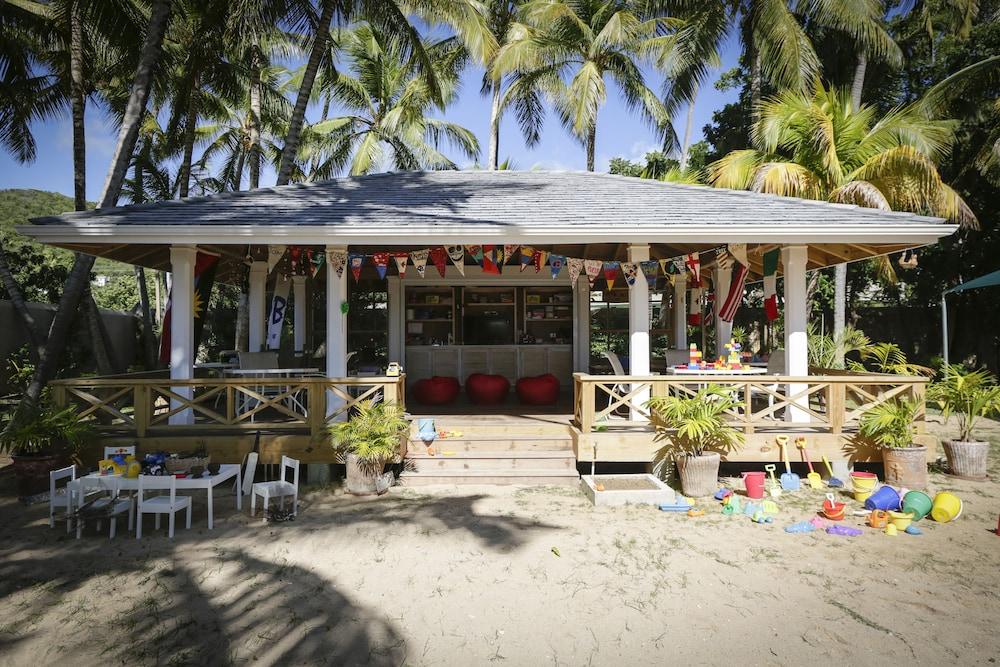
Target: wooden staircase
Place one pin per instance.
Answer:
(492, 449)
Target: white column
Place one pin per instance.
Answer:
(336, 327)
(182, 259)
(680, 312)
(723, 329)
(581, 326)
(794, 260)
(395, 310)
(256, 304)
(638, 327)
(299, 325)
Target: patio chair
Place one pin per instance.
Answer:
(61, 496)
(157, 505)
(256, 361)
(617, 369)
(108, 506)
(279, 488)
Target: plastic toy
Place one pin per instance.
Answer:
(681, 504)
(878, 519)
(760, 517)
(815, 481)
(832, 509)
(843, 531)
(694, 511)
(833, 482)
(722, 494)
(789, 480)
(750, 509)
(800, 527)
(775, 489)
(886, 498)
(769, 506)
(694, 357)
(947, 507)
(913, 530)
(733, 361)
(891, 530)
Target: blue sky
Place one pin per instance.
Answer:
(619, 134)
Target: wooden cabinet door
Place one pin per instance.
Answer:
(418, 364)
(445, 361)
(503, 361)
(561, 365)
(474, 360)
(533, 361)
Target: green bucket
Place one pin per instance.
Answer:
(917, 502)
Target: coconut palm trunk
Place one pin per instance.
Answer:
(591, 144)
(16, 296)
(494, 155)
(254, 125)
(148, 335)
(97, 341)
(291, 146)
(190, 126)
(78, 104)
(858, 84)
(79, 275)
(685, 149)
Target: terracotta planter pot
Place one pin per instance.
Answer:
(32, 473)
(967, 459)
(699, 474)
(906, 467)
(361, 482)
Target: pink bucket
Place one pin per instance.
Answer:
(754, 482)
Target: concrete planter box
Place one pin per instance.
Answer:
(654, 493)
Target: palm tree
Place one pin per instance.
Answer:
(389, 102)
(567, 48)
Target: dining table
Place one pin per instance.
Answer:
(207, 483)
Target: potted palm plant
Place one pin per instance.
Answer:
(890, 426)
(370, 440)
(696, 433)
(969, 395)
(40, 441)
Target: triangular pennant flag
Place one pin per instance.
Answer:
(739, 253)
(694, 307)
(489, 260)
(771, 285)
(337, 259)
(693, 263)
(667, 266)
(593, 269)
(357, 260)
(419, 259)
(509, 250)
(274, 255)
(316, 262)
(575, 269)
(498, 257)
(556, 263)
(541, 256)
(295, 255)
(381, 262)
(630, 270)
(610, 273)
(457, 255)
(649, 268)
(440, 258)
(401, 258)
(476, 251)
(679, 266)
(527, 256)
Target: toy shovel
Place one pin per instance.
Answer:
(789, 480)
(815, 481)
(775, 490)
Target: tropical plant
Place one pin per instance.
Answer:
(890, 424)
(389, 106)
(46, 431)
(372, 434)
(825, 348)
(889, 358)
(695, 423)
(970, 395)
(566, 48)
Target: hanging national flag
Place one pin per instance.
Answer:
(593, 269)
(541, 256)
(337, 259)
(356, 260)
(499, 257)
(771, 284)
(735, 297)
(381, 262)
(476, 251)
(274, 254)
(667, 266)
(610, 273)
(723, 259)
(693, 263)
(457, 255)
(649, 268)
(556, 263)
(401, 258)
(575, 269)
(694, 307)
(419, 259)
(205, 266)
(439, 256)
(489, 261)
(276, 318)
(527, 257)
(630, 270)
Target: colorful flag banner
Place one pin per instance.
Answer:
(735, 297)
(593, 269)
(316, 262)
(610, 273)
(401, 259)
(489, 260)
(419, 259)
(649, 268)
(457, 255)
(356, 260)
(739, 253)
(509, 250)
(556, 263)
(541, 256)
(630, 270)
(337, 259)
(527, 257)
(439, 256)
(575, 269)
(381, 262)
(276, 318)
(274, 255)
(693, 264)
(694, 307)
(477, 253)
(295, 255)
(771, 284)
(724, 260)
(205, 266)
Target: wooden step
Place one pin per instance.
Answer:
(495, 443)
(485, 429)
(492, 461)
(523, 477)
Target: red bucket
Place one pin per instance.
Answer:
(754, 482)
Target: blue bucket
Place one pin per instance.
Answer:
(886, 498)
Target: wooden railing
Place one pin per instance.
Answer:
(143, 406)
(825, 404)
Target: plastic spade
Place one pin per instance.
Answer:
(789, 480)
(815, 481)
(775, 490)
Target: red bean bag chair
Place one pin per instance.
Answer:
(436, 390)
(487, 389)
(538, 390)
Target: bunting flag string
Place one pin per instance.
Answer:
(648, 268)
(527, 257)
(419, 259)
(610, 273)
(401, 260)
(439, 256)
(457, 255)
(489, 260)
(556, 263)
(630, 270)
(356, 260)
(316, 262)
(539, 259)
(509, 250)
(381, 262)
(593, 268)
(337, 259)
(693, 263)
(575, 269)
(477, 253)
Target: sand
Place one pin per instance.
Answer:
(494, 575)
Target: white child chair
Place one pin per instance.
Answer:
(278, 489)
(108, 506)
(164, 504)
(61, 497)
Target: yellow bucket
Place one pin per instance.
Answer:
(947, 507)
(901, 520)
(862, 496)
(864, 481)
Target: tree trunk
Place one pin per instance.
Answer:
(591, 143)
(323, 116)
(254, 130)
(291, 146)
(35, 337)
(839, 311)
(494, 156)
(190, 125)
(755, 88)
(98, 341)
(148, 336)
(242, 342)
(79, 275)
(858, 85)
(241, 161)
(78, 103)
(687, 129)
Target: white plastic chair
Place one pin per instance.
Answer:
(157, 505)
(617, 369)
(61, 496)
(280, 488)
(108, 506)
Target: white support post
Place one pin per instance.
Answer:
(182, 260)
(638, 327)
(680, 312)
(794, 260)
(581, 325)
(723, 329)
(299, 324)
(256, 304)
(336, 328)
(395, 309)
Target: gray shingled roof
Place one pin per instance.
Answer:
(510, 199)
